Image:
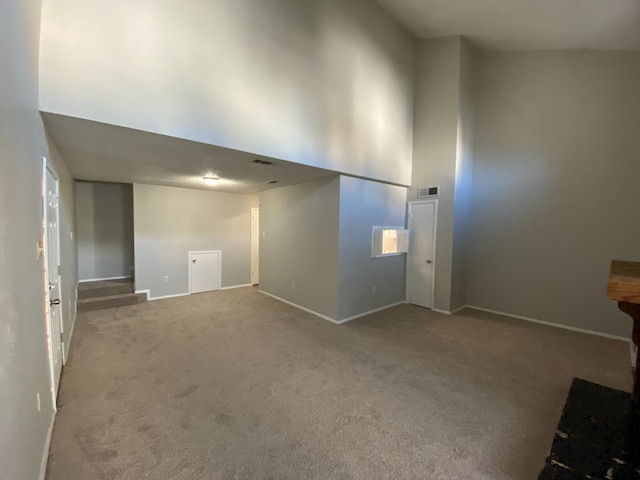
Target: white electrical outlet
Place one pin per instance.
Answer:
(374, 289)
(166, 278)
(293, 284)
(38, 400)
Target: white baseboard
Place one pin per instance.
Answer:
(67, 347)
(86, 280)
(345, 320)
(447, 312)
(47, 445)
(164, 297)
(550, 324)
(308, 310)
(148, 292)
(324, 317)
(236, 286)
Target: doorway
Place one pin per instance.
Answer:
(255, 246)
(421, 259)
(51, 235)
(204, 271)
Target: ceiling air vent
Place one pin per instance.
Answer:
(262, 162)
(426, 192)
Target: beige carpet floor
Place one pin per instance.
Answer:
(236, 385)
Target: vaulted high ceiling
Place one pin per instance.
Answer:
(525, 24)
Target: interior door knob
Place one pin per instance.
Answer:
(429, 262)
(194, 260)
(55, 301)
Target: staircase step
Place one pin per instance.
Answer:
(104, 288)
(111, 301)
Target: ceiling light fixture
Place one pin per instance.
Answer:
(211, 180)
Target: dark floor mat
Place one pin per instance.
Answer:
(594, 436)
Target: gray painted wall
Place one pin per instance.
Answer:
(169, 222)
(104, 214)
(555, 197)
(300, 224)
(327, 83)
(435, 146)
(463, 176)
(363, 205)
(24, 365)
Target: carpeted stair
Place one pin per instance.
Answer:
(107, 294)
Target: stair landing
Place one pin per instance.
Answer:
(107, 294)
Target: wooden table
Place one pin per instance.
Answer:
(624, 287)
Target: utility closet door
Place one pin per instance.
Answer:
(421, 256)
(204, 270)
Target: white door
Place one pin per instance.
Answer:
(421, 256)
(52, 259)
(204, 271)
(255, 246)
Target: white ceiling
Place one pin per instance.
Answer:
(107, 153)
(525, 24)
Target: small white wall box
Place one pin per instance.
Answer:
(389, 241)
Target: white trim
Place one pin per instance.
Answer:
(103, 279)
(47, 445)
(452, 312)
(435, 241)
(345, 320)
(219, 252)
(147, 291)
(324, 317)
(65, 351)
(65, 357)
(550, 324)
(378, 228)
(150, 299)
(236, 286)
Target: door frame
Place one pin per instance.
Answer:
(46, 165)
(219, 252)
(410, 205)
(256, 253)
